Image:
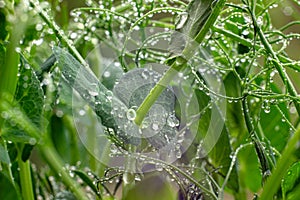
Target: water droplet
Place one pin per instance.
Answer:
(106, 74)
(73, 35)
(59, 113)
(81, 112)
(181, 20)
(178, 154)
(93, 93)
(267, 109)
(158, 167)
(131, 114)
(145, 74)
(172, 121)
(245, 32)
(4, 115)
(155, 126)
(27, 66)
(32, 141)
(38, 27)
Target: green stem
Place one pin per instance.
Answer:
(157, 90)
(210, 21)
(25, 178)
(128, 176)
(284, 162)
(281, 71)
(5, 167)
(176, 66)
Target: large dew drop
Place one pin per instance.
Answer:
(131, 114)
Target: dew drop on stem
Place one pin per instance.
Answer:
(158, 167)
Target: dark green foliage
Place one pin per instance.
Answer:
(291, 181)
(8, 191)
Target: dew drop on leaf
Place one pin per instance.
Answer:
(145, 74)
(155, 126)
(131, 114)
(93, 93)
(106, 74)
(81, 112)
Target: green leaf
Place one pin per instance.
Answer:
(222, 150)
(29, 94)
(8, 191)
(29, 97)
(111, 75)
(87, 180)
(273, 124)
(112, 112)
(291, 179)
(249, 170)
(4, 157)
(234, 117)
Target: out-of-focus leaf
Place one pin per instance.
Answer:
(8, 191)
(291, 180)
(87, 180)
(112, 111)
(151, 188)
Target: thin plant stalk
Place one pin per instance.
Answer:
(25, 178)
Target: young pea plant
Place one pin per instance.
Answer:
(148, 100)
